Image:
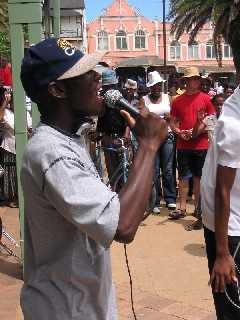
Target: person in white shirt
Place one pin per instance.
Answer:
(220, 190)
(9, 152)
(159, 103)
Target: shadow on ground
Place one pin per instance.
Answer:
(11, 269)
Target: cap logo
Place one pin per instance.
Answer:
(67, 47)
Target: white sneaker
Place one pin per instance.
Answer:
(156, 210)
(171, 206)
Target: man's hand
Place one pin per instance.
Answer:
(185, 134)
(223, 272)
(201, 113)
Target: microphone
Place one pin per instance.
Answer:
(114, 99)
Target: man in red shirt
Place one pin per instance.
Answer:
(191, 152)
(5, 72)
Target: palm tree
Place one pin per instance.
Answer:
(4, 26)
(225, 15)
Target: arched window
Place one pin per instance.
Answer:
(121, 40)
(175, 50)
(210, 50)
(102, 40)
(140, 40)
(193, 50)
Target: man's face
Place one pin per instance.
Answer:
(3, 63)
(83, 94)
(205, 86)
(228, 92)
(156, 90)
(131, 92)
(193, 82)
(174, 83)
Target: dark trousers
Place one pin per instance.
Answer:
(112, 159)
(225, 310)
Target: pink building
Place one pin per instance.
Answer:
(125, 33)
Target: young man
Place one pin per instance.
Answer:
(71, 217)
(111, 124)
(220, 190)
(190, 152)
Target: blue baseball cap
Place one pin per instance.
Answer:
(54, 59)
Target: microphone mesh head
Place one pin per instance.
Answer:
(111, 97)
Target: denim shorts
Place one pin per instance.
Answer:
(190, 163)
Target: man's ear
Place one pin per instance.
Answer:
(57, 89)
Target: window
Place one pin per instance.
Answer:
(210, 50)
(193, 50)
(140, 40)
(102, 41)
(227, 52)
(175, 50)
(121, 40)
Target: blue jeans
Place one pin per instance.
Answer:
(164, 162)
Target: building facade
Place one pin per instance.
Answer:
(72, 22)
(125, 33)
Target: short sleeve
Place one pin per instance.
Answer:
(228, 142)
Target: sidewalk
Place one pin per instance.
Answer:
(167, 264)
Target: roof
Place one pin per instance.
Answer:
(143, 61)
(206, 69)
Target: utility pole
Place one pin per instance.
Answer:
(164, 48)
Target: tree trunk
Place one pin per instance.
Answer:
(236, 58)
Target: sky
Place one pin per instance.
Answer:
(148, 8)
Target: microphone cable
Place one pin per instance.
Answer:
(130, 280)
(238, 282)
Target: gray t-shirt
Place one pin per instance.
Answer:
(70, 221)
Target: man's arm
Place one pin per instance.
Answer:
(150, 131)
(199, 126)
(141, 104)
(224, 269)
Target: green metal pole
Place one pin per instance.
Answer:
(56, 18)
(19, 16)
(46, 9)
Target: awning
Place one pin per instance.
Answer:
(143, 61)
(211, 69)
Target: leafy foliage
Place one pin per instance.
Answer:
(4, 30)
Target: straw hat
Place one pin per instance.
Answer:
(207, 78)
(153, 78)
(131, 84)
(191, 72)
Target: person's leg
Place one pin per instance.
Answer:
(111, 158)
(196, 190)
(184, 174)
(225, 310)
(166, 164)
(156, 180)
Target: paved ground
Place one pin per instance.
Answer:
(167, 264)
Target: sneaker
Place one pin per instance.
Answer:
(171, 206)
(156, 210)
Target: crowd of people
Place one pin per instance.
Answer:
(72, 218)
